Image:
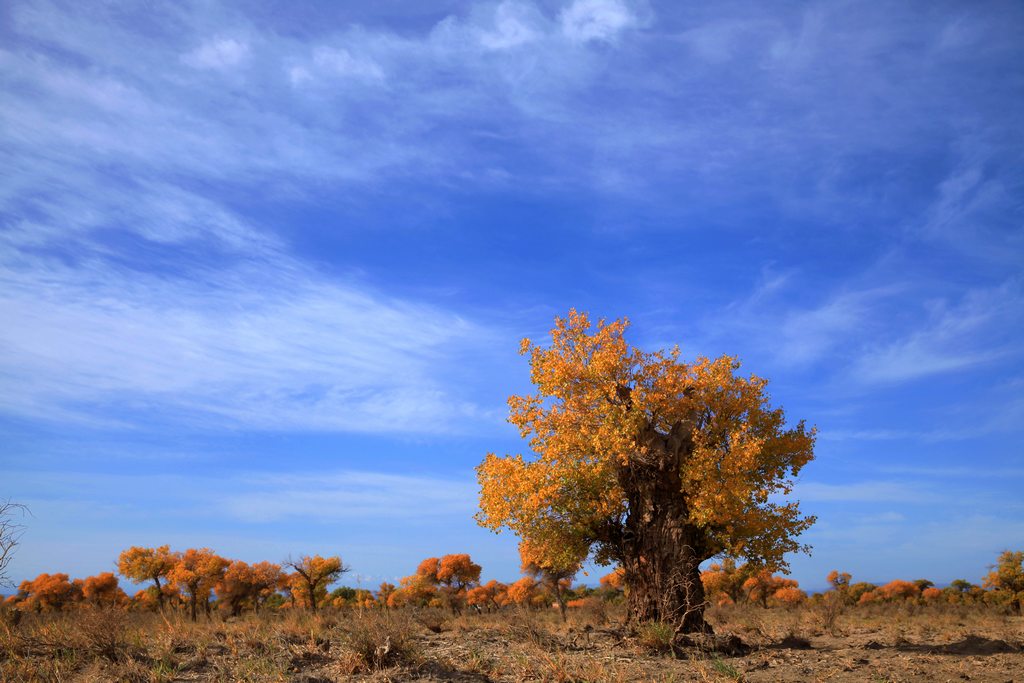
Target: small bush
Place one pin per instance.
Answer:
(379, 641)
(434, 620)
(828, 610)
(104, 633)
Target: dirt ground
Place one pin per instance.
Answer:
(910, 643)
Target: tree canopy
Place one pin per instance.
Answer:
(629, 444)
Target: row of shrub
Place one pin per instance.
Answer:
(727, 582)
(199, 579)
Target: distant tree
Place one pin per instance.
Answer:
(458, 572)
(343, 594)
(553, 571)
(840, 581)
(931, 594)
(102, 591)
(10, 534)
(316, 573)
(49, 592)
(961, 585)
(523, 592)
(614, 580)
(490, 596)
(196, 573)
(789, 596)
(653, 463)
(144, 600)
(243, 584)
(417, 589)
(427, 570)
(384, 592)
(763, 585)
(898, 590)
(266, 579)
(273, 601)
(1007, 577)
(445, 580)
(725, 579)
(923, 584)
(857, 591)
(961, 591)
(148, 564)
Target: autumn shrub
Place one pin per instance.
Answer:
(10, 617)
(898, 590)
(522, 626)
(789, 596)
(828, 609)
(106, 633)
(379, 641)
(433, 619)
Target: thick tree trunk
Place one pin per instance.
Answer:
(662, 567)
(560, 599)
(661, 550)
(159, 593)
(312, 594)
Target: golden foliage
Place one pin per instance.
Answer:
(763, 585)
(1008, 577)
(196, 573)
(723, 581)
(146, 564)
(244, 585)
(615, 580)
(598, 403)
(840, 581)
(49, 592)
(102, 590)
(313, 574)
(490, 596)
(458, 572)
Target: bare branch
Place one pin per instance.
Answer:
(10, 534)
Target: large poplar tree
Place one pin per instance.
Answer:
(649, 462)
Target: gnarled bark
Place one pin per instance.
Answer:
(661, 551)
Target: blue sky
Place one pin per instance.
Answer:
(264, 268)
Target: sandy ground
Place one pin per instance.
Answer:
(877, 644)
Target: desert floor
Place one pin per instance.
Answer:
(883, 643)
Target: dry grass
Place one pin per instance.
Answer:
(815, 643)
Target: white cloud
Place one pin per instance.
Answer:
(972, 332)
(336, 63)
(271, 346)
(348, 496)
(218, 54)
(515, 24)
(864, 492)
(955, 472)
(588, 20)
(831, 326)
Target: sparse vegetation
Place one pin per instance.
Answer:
(884, 641)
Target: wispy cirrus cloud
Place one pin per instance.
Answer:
(976, 330)
(219, 53)
(880, 491)
(268, 345)
(586, 20)
(348, 496)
